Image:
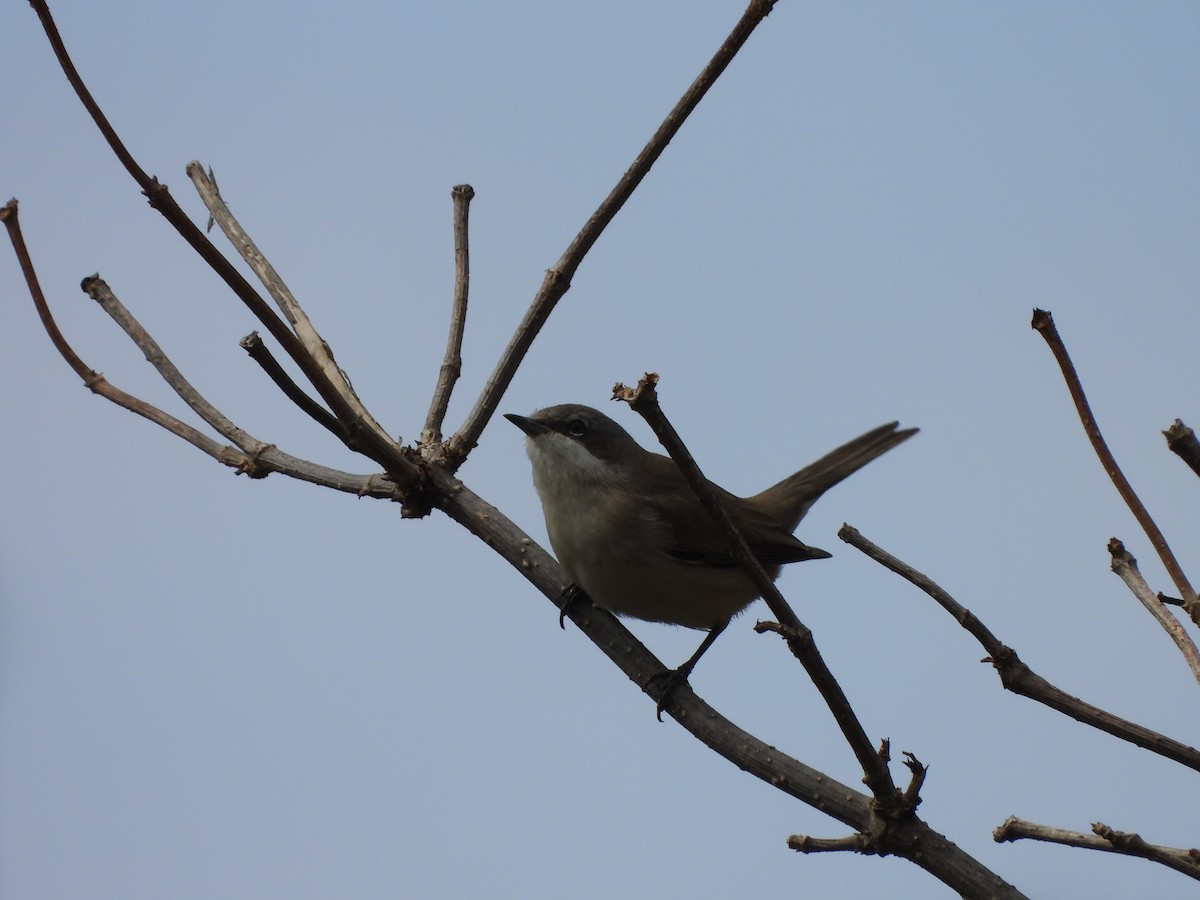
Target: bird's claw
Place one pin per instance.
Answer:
(671, 680)
(565, 599)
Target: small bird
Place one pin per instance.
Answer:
(628, 530)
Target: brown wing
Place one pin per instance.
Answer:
(694, 537)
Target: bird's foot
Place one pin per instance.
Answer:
(670, 680)
(573, 594)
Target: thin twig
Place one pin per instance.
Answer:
(1126, 567)
(258, 351)
(803, 843)
(1104, 839)
(1043, 324)
(431, 434)
(268, 458)
(1015, 675)
(1181, 441)
(98, 290)
(644, 401)
(318, 350)
(96, 382)
(361, 436)
(12, 225)
(558, 277)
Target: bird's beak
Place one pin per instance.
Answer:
(527, 425)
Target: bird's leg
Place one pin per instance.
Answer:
(678, 676)
(572, 594)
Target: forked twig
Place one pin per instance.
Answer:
(256, 459)
(311, 341)
(1126, 567)
(1015, 675)
(362, 435)
(96, 382)
(98, 290)
(1104, 839)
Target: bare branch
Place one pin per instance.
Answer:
(431, 434)
(98, 290)
(911, 838)
(800, 641)
(803, 843)
(361, 435)
(266, 457)
(312, 342)
(1104, 839)
(1043, 324)
(1126, 567)
(96, 382)
(258, 351)
(1017, 677)
(558, 277)
(913, 792)
(12, 224)
(1181, 441)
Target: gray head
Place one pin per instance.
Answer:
(578, 439)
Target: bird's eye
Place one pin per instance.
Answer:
(577, 428)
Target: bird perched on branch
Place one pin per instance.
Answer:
(629, 531)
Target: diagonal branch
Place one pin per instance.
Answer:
(558, 277)
(98, 290)
(1043, 324)
(1126, 567)
(644, 400)
(1104, 839)
(918, 842)
(1015, 675)
(258, 351)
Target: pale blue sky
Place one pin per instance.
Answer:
(217, 687)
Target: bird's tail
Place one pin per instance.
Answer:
(790, 499)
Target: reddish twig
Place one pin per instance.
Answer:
(1043, 324)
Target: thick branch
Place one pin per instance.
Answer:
(1017, 677)
(558, 277)
(911, 838)
(1043, 324)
